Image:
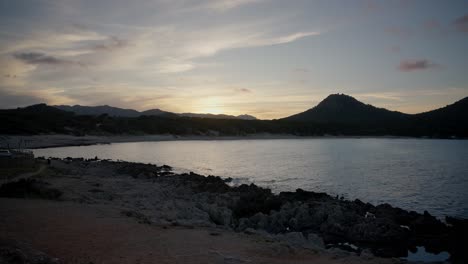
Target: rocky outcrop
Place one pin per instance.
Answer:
(154, 194)
(13, 252)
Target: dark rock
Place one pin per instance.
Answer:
(142, 219)
(253, 200)
(12, 252)
(29, 188)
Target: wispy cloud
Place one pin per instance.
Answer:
(431, 24)
(399, 31)
(111, 44)
(223, 5)
(416, 65)
(461, 23)
(41, 58)
(243, 90)
(178, 51)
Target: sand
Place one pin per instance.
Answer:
(83, 233)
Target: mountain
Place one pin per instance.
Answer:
(456, 112)
(35, 119)
(99, 110)
(344, 109)
(219, 116)
(158, 112)
(120, 112)
(451, 119)
(337, 114)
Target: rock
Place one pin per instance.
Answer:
(367, 254)
(260, 232)
(292, 224)
(339, 253)
(298, 240)
(244, 223)
(260, 221)
(219, 215)
(315, 241)
(142, 219)
(12, 252)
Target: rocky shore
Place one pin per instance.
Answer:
(155, 195)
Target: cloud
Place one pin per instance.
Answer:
(112, 44)
(174, 51)
(399, 32)
(461, 23)
(431, 24)
(37, 58)
(65, 40)
(389, 96)
(133, 63)
(243, 90)
(12, 100)
(223, 5)
(416, 65)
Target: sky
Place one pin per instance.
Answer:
(267, 58)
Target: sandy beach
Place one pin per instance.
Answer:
(83, 233)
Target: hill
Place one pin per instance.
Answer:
(121, 112)
(338, 114)
(452, 118)
(99, 110)
(344, 109)
(158, 112)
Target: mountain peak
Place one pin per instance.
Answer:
(336, 101)
(341, 108)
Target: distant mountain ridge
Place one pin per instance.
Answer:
(121, 112)
(338, 115)
(99, 110)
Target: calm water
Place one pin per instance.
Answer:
(413, 174)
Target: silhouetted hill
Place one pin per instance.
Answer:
(456, 112)
(158, 112)
(120, 112)
(344, 109)
(451, 119)
(35, 119)
(338, 115)
(99, 110)
(41, 109)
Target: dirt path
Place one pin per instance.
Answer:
(78, 233)
(41, 168)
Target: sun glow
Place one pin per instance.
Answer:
(211, 105)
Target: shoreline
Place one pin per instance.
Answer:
(61, 140)
(155, 195)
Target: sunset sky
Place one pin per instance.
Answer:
(267, 58)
